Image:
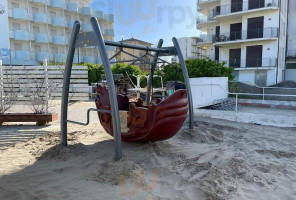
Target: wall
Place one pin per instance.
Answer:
(206, 90)
(4, 42)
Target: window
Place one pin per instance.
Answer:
(291, 66)
(53, 14)
(68, 17)
(55, 50)
(36, 29)
(17, 47)
(37, 48)
(254, 56)
(35, 10)
(15, 5)
(16, 26)
(53, 32)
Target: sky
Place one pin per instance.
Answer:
(151, 20)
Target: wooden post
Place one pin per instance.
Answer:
(1, 87)
(46, 84)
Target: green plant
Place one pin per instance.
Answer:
(94, 73)
(197, 68)
(124, 69)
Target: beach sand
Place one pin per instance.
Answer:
(217, 160)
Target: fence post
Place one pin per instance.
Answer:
(46, 84)
(1, 87)
(263, 94)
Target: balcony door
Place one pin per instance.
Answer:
(254, 4)
(236, 31)
(235, 58)
(255, 27)
(254, 56)
(236, 5)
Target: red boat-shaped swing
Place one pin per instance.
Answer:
(144, 123)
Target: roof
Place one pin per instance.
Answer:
(136, 40)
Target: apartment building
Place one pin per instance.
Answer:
(190, 49)
(138, 53)
(32, 30)
(290, 72)
(249, 35)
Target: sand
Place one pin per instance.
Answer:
(217, 160)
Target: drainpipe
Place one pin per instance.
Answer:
(287, 29)
(278, 52)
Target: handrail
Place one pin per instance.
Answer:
(249, 94)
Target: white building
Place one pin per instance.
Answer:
(290, 72)
(190, 49)
(32, 30)
(249, 35)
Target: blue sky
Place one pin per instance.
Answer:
(151, 20)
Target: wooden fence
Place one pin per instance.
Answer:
(47, 81)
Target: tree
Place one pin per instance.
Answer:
(197, 68)
(130, 70)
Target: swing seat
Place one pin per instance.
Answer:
(139, 123)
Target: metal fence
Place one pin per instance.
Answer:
(251, 62)
(245, 6)
(270, 32)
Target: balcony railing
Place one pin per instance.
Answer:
(204, 39)
(251, 62)
(291, 53)
(205, 19)
(245, 6)
(271, 32)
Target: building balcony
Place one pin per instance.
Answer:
(57, 21)
(251, 63)
(40, 18)
(203, 39)
(109, 32)
(21, 35)
(271, 33)
(86, 28)
(85, 11)
(59, 57)
(99, 60)
(57, 4)
(40, 2)
(110, 48)
(202, 21)
(109, 17)
(41, 37)
(58, 40)
(75, 59)
(22, 55)
(291, 54)
(231, 11)
(88, 59)
(72, 7)
(40, 56)
(20, 14)
(70, 24)
(98, 14)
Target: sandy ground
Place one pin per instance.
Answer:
(217, 160)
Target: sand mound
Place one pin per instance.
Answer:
(115, 172)
(201, 134)
(60, 152)
(221, 182)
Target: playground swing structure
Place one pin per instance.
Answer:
(95, 39)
